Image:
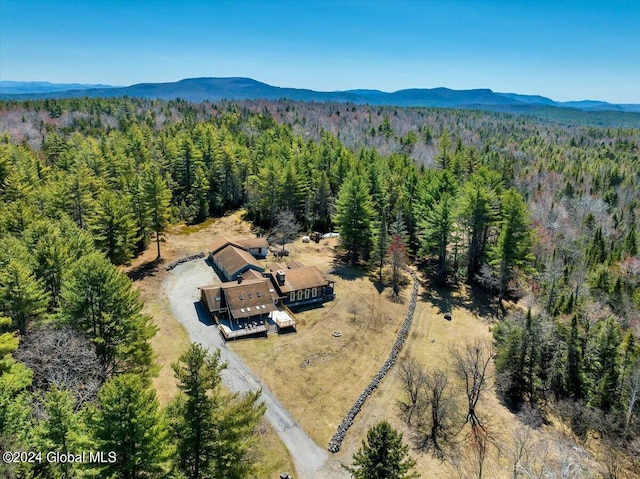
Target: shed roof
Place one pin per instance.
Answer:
(249, 298)
(233, 260)
(254, 243)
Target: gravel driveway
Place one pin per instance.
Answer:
(181, 288)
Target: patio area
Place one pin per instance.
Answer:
(275, 321)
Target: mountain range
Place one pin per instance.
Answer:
(236, 88)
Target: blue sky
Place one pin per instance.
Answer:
(566, 50)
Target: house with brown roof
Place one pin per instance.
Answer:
(245, 307)
(231, 262)
(299, 285)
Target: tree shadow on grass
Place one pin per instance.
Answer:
(150, 268)
(380, 287)
(346, 270)
(472, 298)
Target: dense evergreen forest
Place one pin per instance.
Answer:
(543, 215)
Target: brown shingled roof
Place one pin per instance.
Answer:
(254, 243)
(212, 296)
(300, 278)
(251, 274)
(273, 267)
(294, 265)
(249, 298)
(222, 241)
(233, 260)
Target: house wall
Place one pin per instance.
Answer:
(258, 252)
(309, 296)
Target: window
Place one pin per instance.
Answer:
(241, 297)
(292, 296)
(306, 294)
(249, 295)
(259, 294)
(299, 295)
(314, 292)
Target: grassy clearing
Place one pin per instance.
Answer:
(171, 340)
(317, 376)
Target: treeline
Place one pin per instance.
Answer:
(530, 209)
(75, 359)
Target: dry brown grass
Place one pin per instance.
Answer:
(317, 376)
(172, 340)
(314, 374)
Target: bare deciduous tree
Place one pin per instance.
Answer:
(429, 407)
(472, 362)
(437, 421)
(413, 378)
(62, 357)
(631, 395)
(286, 227)
(520, 450)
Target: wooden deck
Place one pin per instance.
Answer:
(284, 318)
(229, 333)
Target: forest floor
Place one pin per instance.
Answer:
(317, 376)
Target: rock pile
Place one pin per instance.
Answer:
(336, 441)
(184, 260)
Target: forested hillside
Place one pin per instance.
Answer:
(544, 215)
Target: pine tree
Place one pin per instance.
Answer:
(444, 155)
(476, 212)
(436, 218)
(51, 256)
(322, 201)
(601, 364)
(397, 257)
(213, 433)
(113, 227)
(22, 296)
(265, 189)
(382, 456)
(140, 211)
(157, 197)
(191, 418)
(128, 423)
(354, 216)
(631, 241)
(513, 248)
(99, 299)
(381, 242)
(15, 400)
(61, 431)
(574, 362)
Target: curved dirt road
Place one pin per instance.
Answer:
(181, 288)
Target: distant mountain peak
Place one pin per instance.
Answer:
(243, 88)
